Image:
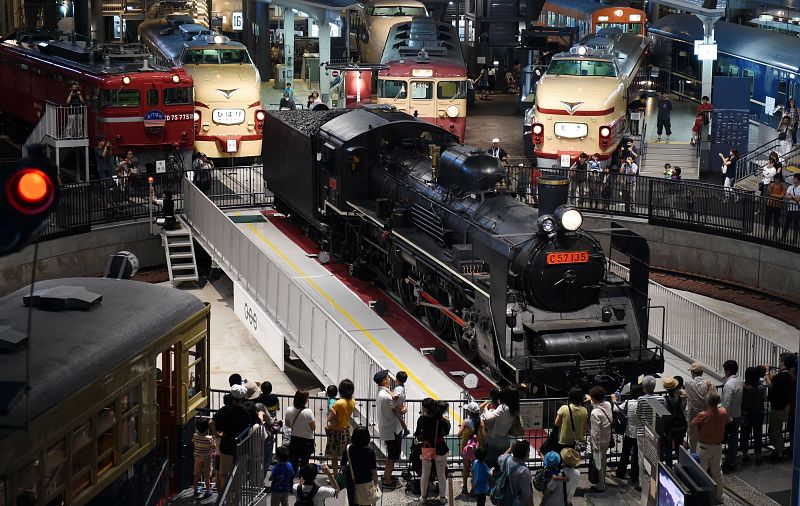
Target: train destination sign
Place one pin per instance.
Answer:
(568, 257)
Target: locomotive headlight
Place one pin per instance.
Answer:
(176, 79)
(605, 131)
(196, 116)
(570, 218)
(126, 80)
(260, 115)
(537, 129)
(452, 111)
(546, 223)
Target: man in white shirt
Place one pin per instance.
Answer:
(629, 172)
(732, 387)
(697, 391)
(498, 152)
(792, 198)
(389, 428)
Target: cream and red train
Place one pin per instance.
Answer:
(581, 100)
(426, 76)
(228, 116)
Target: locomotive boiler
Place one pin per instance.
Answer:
(525, 292)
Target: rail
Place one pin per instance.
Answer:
(244, 486)
(84, 205)
(159, 492)
(696, 333)
(320, 341)
(753, 161)
(60, 122)
(538, 417)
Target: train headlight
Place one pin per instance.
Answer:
(538, 129)
(196, 116)
(582, 50)
(605, 131)
(570, 218)
(546, 223)
(260, 115)
(452, 111)
(126, 80)
(619, 12)
(176, 79)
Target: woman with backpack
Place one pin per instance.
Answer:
(497, 424)
(432, 427)
(753, 397)
(469, 433)
(600, 434)
(675, 399)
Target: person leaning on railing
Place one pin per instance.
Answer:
(75, 101)
(792, 198)
(497, 424)
(775, 193)
(781, 386)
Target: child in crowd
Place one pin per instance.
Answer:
(269, 400)
(480, 476)
(282, 477)
(203, 444)
(332, 391)
(469, 434)
(399, 395)
(308, 493)
(667, 171)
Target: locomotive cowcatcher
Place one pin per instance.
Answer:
(525, 292)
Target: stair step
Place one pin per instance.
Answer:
(182, 267)
(174, 256)
(179, 244)
(187, 277)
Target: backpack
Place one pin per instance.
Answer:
(540, 479)
(472, 444)
(304, 499)
(502, 493)
(677, 424)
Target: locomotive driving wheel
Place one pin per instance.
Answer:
(440, 323)
(407, 295)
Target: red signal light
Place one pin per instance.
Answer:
(30, 191)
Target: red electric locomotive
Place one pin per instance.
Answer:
(131, 102)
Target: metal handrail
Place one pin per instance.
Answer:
(747, 165)
(160, 485)
(740, 343)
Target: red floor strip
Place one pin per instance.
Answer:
(395, 316)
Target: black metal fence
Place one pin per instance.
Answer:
(84, 205)
(538, 417)
(690, 205)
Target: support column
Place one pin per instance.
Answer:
(707, 66)
(288, 45)
(98, 30)
(262, 41)
(324, 57)
(81, 17)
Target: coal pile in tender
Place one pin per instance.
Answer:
(307, 122)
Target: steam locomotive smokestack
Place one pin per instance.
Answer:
(553, 192)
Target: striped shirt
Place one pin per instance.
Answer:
(645, 412)
(202, 446)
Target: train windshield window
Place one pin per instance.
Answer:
(152, 98)
(635, 28)
(422, 90)
(216, 56)
(392, 89)
(177, 96)
(451, 90)
(120, 98)
(582, 68)
(397, 10)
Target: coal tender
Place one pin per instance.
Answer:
(524, 292)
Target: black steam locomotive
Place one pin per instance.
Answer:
(525, 292)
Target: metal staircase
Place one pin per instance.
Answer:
(682, 155)
(179, 250)
(62, 126)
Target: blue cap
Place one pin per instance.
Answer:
(552, 459)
